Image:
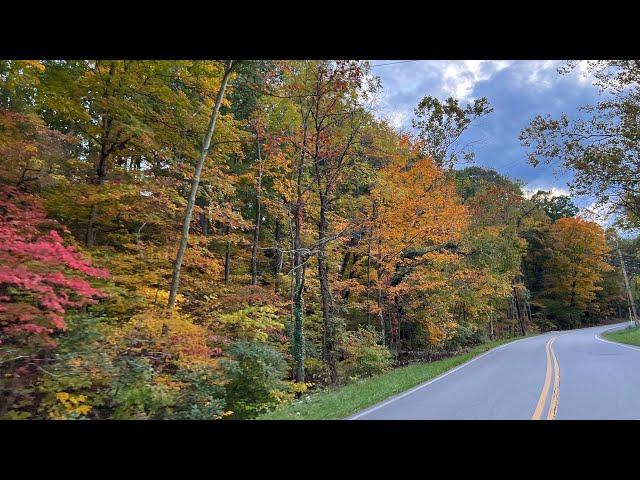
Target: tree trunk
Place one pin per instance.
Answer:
(519, 312)
(101, 170)
(278, 266)
(175, 280)
(328, 339)
(90, 235)
(344, 264)
(383, 326)
(256, 224)
(491, 333)
(299, 270)
(298, 322)
(227, 257)
(352, 273)
(204, 218)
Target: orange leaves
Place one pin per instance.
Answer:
(577, 261)
(438, 333)
(414, 205)
(185, 345)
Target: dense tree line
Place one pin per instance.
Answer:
(204, 239)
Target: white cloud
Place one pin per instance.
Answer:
(459, 78)
(397, 119)
(555, 192)
(602, 214)
(541, 75)
(438, 78)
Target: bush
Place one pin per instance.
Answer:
(254, 375)
(363, 356)
(316, 371)
(466, 336)
(203, 397)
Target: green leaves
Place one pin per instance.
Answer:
(441, 124)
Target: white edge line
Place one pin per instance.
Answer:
(598, 337)
(433, 380)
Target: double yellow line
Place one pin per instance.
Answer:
(551, 366)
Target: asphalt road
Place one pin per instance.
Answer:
(573, 374)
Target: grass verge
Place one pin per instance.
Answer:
(341, 402)
(630, 335)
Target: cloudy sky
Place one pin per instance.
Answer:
(518, 90)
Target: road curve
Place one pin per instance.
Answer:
(573, 374)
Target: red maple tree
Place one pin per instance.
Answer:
(40, 277)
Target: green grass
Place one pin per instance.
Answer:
(630, 335)
(338, 403)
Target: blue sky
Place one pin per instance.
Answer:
(518, 90)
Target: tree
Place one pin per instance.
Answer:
(600, 145)
(555, 206)
(575, 269)
(415, 218)
(337, 120)
(441, 125)
(186, 224)
(499, 213)
(40, 279)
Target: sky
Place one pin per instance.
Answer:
(517, 90)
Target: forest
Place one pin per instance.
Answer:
(214, 239)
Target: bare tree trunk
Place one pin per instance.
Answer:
(491, 334)
(278, 266)
(175, 280)
(298, 286)
(90, 235)
(352, 273)
(101, 171)
(383, 325)
(256, 225)
(204, 218)
(328, 339)
(519, 312)
(369, 278)
(299, 271)
(227, 256)
(344, 264)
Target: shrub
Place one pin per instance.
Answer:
(466, 335)
(363, 355)
(254, 375)
(203, 396)
(316, 370)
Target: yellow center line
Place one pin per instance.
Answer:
(553, 407)
(547, 383)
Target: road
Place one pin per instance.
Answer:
(566, 375)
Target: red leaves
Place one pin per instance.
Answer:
(37, 282)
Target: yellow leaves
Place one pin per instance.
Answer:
(69, 406)
(252, 322)
(157, 296)
(299, 387)
(291, 391)
(438, 333)
(75, 362)
(414, 204)
(35, 64)
(62, 396)
(169, 382)
(185, 344)
(577, 260)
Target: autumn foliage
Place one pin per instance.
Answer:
(40, 277)
(324, 246)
